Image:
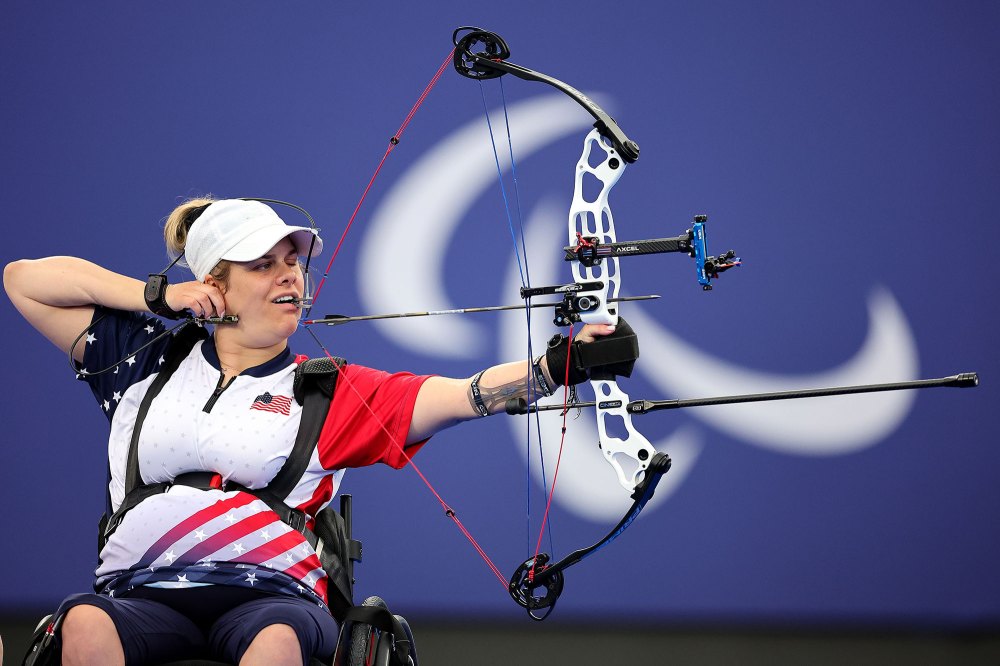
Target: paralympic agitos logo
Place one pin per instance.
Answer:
(432, 199)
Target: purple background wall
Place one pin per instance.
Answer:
(847, 150)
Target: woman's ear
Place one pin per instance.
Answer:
(212, 282)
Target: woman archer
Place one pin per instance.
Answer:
(211, 568)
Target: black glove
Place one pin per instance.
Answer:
(556, 357)
(607, 356)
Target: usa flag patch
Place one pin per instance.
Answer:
(279, 404)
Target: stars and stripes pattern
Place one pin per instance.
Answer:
(229, 542)
(108, 342)
(187, 537)
(236, 541)
(278, 404)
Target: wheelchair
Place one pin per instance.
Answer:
(370, 635)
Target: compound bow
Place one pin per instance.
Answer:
(592, 298)
(594, 252)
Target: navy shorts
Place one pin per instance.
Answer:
(214, 622)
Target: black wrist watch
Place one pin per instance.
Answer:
(155, 294)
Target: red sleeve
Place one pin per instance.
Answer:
(369, 419)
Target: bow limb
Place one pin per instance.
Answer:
(481, 54)
(536, 574)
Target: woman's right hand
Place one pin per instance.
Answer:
(57, 296)
(203, 300)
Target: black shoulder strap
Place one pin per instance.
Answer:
(313, 386)
(180, 346)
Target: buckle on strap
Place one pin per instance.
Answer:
(200, 480)
(296, 520)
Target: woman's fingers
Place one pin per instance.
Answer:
(202, 300)
(591, 332)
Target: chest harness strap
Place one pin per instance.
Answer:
(313, 387)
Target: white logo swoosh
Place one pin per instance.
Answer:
(433, 198)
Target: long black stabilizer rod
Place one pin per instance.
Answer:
(963, 380)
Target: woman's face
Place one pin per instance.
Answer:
(259, 292)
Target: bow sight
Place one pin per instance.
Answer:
(589, 251)
(580, 298)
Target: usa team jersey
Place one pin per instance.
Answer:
(244, 432)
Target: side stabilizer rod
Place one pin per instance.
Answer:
(962, 380)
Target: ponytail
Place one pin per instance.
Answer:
(175, 232)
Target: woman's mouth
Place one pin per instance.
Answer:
(288, 300)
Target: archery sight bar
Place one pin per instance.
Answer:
(963, 380)
(589, 252)
(579, 298)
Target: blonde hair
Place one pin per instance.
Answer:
(177, 226)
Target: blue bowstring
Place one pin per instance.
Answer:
(525, 282)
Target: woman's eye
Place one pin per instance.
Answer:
(262, 267)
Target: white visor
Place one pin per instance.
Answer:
(238, 230)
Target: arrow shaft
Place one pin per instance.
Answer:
(332, 320)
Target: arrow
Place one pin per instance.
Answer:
(336, 319)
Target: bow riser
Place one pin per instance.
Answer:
(612, 412)
(591, 216)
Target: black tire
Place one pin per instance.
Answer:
(43, 650)
(367, 643)
(409, 637)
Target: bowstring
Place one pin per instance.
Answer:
(555, 475)
(521, 254)
(393, 142)
(449, 512)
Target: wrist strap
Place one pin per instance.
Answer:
(155, 295)
(539, 375)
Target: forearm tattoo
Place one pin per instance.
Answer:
(487, 400)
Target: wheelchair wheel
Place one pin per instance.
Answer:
(372, 646)
(369, 646)
(409, 636)
(43, 651)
